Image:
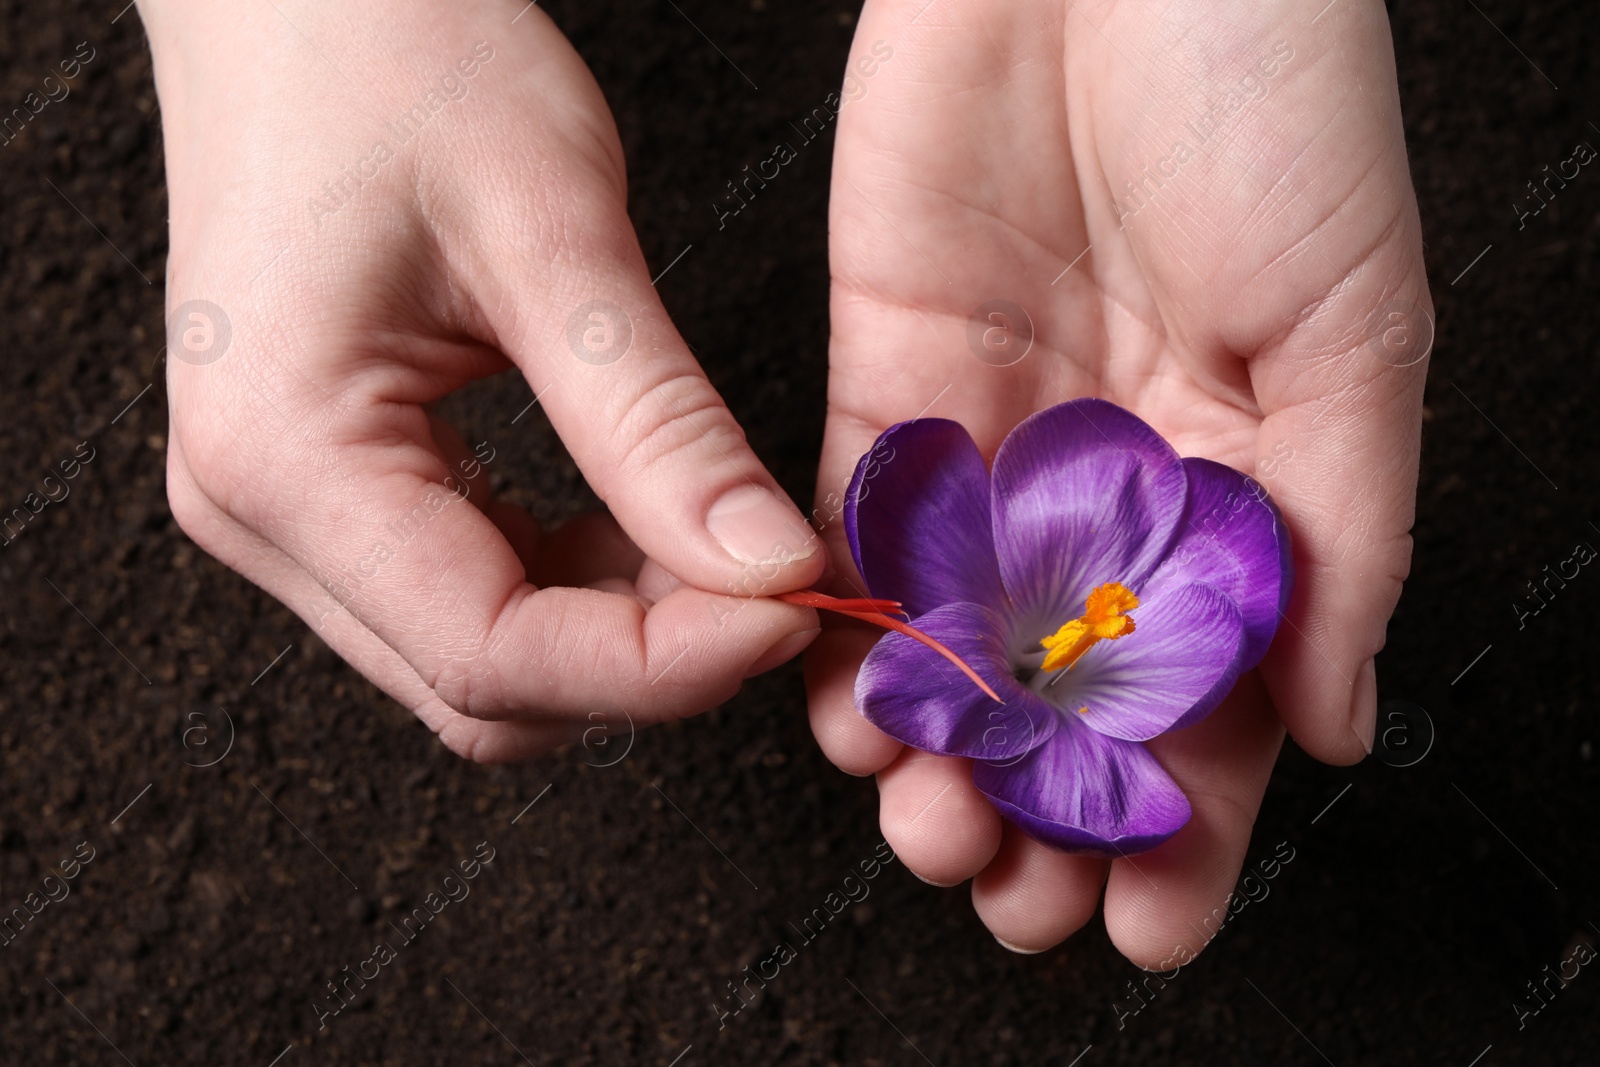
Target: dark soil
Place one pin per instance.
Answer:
(207, 924)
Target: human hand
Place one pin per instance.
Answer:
(1231, 304)
(389, 201)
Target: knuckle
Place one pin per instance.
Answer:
(189, 507)
(576, 217)
(468, 740)
(465, 686)
(193, 509)
(676, 416)
(217, 466)
(475, 750)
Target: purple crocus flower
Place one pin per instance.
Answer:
(1107, 590)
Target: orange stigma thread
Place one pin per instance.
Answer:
(1105, 619)
(878, 612)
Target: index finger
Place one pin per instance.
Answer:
(385, 529)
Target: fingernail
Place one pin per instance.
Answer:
(1018, 949)
(785, 650)
(754, 526)
(1364, 705)
(930, 881)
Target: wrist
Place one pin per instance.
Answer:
(201, 48)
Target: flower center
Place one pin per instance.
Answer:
(1105, 619)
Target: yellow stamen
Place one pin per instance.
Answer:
(1105, 620)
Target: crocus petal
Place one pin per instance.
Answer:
(1085, 792)
(918, 697)
(1170, 672)
(917, 516)
(1084, 493)
(1233, 538)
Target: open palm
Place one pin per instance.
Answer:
(1202, 213)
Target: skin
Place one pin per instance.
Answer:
(1232, 310)
(463, 255)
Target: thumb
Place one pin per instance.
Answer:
(1292, 249)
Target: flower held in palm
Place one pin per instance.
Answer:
(1107, 590)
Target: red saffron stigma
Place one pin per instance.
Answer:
(809, 598)
(877, 612)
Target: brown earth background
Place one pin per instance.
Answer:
(1416, 908)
